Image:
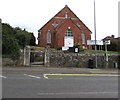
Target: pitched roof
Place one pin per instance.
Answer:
(60, 14)
(79, 19)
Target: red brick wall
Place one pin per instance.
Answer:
(58, 33)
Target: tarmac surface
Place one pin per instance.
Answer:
(45, 82)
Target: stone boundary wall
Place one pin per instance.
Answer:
(64, 59)
(10, 62)
(7, 62)
(82, 60)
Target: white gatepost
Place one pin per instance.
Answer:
(27, 56)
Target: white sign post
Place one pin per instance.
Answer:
(106, 43)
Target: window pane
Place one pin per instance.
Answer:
(68, 33)
(48, 37)
(83, 38)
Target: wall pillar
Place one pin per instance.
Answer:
(27, 56)
(47, 57)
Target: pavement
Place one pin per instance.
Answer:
(44, 70)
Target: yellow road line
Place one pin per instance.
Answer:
(81, 75)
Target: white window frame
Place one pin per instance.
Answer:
(69, 33)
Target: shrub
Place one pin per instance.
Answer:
(60, 48)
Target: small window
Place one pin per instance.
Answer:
(68, 33)
(48, 37)
(83, 38)
(55, 24)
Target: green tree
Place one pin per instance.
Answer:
(15, 38)
(114, 45)
(7, 30)
(9, 43)
(24, 38)
(118, 45)
(32, 40)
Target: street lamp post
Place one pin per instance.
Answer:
(95, 35)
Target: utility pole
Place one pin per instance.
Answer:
(95, 35)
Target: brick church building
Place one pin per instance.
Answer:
(65, 30)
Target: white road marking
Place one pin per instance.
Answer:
(2, 76)
(32, 76)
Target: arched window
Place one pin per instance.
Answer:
(48, 37)
(68, 33)
(83, 38)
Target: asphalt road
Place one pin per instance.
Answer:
(59, 83)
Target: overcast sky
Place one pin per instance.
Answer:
(33, 14)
